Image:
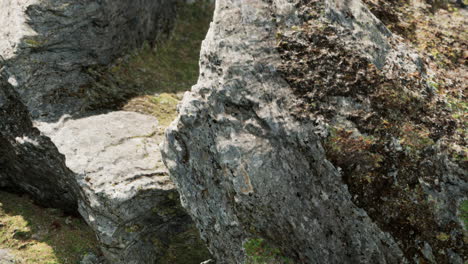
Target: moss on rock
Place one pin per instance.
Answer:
(186, 248)
(383, 135)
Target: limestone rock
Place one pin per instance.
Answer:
(304, 131)
(29, 161)
(53, 48)
(126, 194)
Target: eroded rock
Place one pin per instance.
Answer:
(283, 139)
(126, 194)
(52, 53)
(29, 161)
(52, 48)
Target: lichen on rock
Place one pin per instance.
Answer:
(315, 129)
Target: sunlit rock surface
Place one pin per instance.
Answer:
(313, 128)
(126, 194)
(51, 53)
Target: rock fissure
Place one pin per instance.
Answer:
(56, 57)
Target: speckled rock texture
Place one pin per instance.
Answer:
(312, 127)
(126, 194)
(52, 48)
(50, 53)
(29, 161)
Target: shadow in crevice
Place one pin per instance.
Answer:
(62, 40)
(170, 66)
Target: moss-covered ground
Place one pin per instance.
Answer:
(172, 65)
(36, 235)
(155, 77)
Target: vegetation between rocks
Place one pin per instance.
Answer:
(36, 235)
(258, 251)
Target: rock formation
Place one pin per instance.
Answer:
(126, 194)
(29, 161)
(314, 129)
(52, 48)
(51, 52)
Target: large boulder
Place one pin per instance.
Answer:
(314, 135)
(126, 194)
(29, 161)
(52, 52)
(53, 49)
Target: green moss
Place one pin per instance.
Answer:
(394, 125)
(132, 229)
(258, 251)
(464, 212)
(34, 42)
(443, 236)
(171, 66)
(42, 236)
(163, 107)
(184, 248)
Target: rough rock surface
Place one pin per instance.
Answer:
(29, 161)
(52, 48)
(288, 137)
(6, 257)
(52, 52)
(127, 196)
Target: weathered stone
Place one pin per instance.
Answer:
(254, 149)
(6, 257)
(53, 52)
(29, 161)
(126, 194)
(91, 258)
(52, 48)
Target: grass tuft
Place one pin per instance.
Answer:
(42, 235)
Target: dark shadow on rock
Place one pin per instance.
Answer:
(170, 66)
(53, 69)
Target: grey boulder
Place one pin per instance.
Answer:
(126, 194)
(285, 140)
(53, 50)
(29, 161)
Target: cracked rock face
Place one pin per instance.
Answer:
(52, 48)
(127, 196)
(29, 161)
(250, 152)
(50, 51)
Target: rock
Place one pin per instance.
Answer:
(287, 139)
(53, 49)
(126, 194)
(91, 258)
(6, 257)
(52, 53)
(29, 161)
